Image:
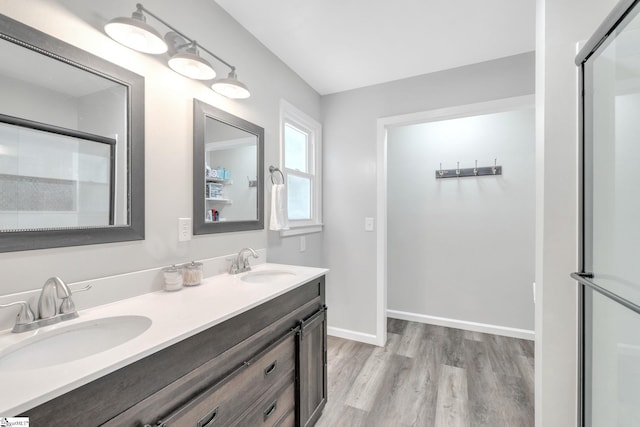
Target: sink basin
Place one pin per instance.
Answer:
(72, 342)
(267, 276)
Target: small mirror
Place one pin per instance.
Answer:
(228, 157)
(71, 144)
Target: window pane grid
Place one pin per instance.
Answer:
(300, 145)
(299, 190)
(296, 149)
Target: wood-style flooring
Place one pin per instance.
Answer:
(428, 376)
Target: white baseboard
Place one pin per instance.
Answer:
(463, 324)
(352, 335)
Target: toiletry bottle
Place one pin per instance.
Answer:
(172, 278)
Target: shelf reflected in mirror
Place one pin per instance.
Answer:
(228, 162)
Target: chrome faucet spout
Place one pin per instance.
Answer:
(241, 263)
(47, 307)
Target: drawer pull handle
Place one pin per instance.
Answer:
(209, 419)
(269, 369)
(270, 410)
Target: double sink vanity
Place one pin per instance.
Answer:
(247, 349)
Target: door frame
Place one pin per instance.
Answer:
(383, 124)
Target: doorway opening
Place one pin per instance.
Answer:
(459, 134)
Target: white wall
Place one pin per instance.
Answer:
(561, 24)
(463, 249)
(349, 120)
(53, 107)
(168, 132)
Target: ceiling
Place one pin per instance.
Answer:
(337, 45)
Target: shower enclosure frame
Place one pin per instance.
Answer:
(622, 14)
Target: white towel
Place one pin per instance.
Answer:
(278, 208)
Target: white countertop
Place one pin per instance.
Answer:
(175, 316)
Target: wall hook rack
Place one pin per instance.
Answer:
(464, 172)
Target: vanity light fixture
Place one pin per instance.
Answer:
(189, 63)
(136, 34)
(231, 87)
(184, 52)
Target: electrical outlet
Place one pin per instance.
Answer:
(303, 243)
(184, 229)
(368, 224)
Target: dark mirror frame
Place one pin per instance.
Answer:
(202, 111)
(30, 38)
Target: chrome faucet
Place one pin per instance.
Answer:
(47, 307)
(49, 312)
(241, 263)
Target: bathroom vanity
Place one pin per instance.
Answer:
(260, 359)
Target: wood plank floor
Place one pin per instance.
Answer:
(430, 376)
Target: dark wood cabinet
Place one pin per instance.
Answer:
(312, 368)
(264, 367)
(257, 387)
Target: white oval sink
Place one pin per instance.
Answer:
(72, 342)
(267, 276)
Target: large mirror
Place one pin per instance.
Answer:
(228, 157)
(71, 144)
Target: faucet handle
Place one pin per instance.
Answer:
(25, 315)
(86, 288)
(67, 305)
(234, 268)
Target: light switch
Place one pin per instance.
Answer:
(184, 229)
(534, 292)
(368, 224)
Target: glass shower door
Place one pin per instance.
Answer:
(611, 223)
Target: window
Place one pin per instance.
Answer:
(300, 154)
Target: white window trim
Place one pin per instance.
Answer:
(288, 112)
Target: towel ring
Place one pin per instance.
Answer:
(272, 170)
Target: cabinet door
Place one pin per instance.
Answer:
(312, 368)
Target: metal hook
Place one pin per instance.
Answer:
(458, 169)
(475, 170)
(441, 172)
(495, 166)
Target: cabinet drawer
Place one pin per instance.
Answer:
(223, 403)
(289, 420)
(272, 410)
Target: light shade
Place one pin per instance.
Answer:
(136, 34)
(190, 64)
(231, 87)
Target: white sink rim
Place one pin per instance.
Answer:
(267, 276)
(43, 349)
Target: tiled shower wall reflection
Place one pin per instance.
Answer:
(26, 193)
